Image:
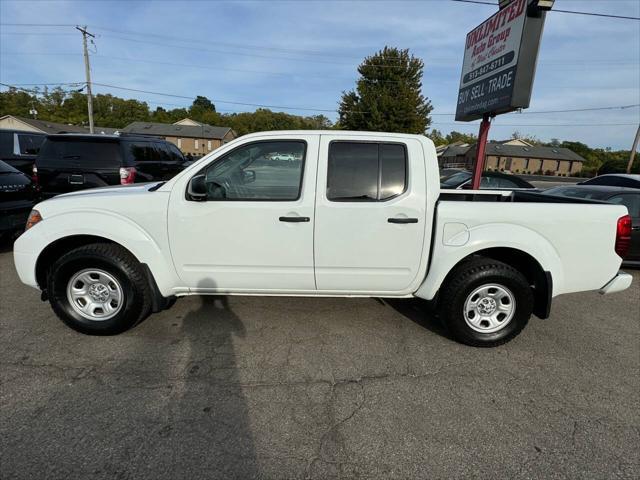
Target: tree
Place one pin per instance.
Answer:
(530, 139)
(437, 137)
(454, 136)
(388, 95)
(203, 103)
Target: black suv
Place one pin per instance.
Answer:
(19, 148)
(70, 162)
(16, 199)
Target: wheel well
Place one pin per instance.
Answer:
(58, 248)
(539, 279)
(65, 244)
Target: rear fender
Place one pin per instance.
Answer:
(482, 237)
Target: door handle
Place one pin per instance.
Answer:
(295, 219)
(402, 220)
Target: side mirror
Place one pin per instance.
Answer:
(248, 176)
(197, 189)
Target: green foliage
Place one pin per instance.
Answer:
(454, 136)
(110, 111)
(388, 95)
(203, 103)
(530, 139)
(599, 160)
(264, 119)
(437, 137)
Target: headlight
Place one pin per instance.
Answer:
(34, 217)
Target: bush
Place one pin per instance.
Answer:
(619, 166)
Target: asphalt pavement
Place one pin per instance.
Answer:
(287, 388)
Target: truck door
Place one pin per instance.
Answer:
(254, 230)
(370, 214)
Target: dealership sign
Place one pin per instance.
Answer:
(500, 62)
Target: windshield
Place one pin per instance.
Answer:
(576, 192)
(455, 179)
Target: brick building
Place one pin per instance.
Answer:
(515, 156)
(189, 136)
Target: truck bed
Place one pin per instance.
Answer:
(509, 196)
(578, 235)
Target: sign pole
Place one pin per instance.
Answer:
(478, 167)
(633, 150)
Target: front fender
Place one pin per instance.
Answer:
(154, 252)
(482, 237)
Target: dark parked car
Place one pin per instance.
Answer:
(615, 180)
(629, 197)
(16, 199)
(489, 181)
(20, 149)
(73, 162)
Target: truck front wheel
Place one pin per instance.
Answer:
(485, 303)
(99, 289)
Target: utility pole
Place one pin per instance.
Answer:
(633, 150)
(87, 71)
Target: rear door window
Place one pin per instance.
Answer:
(30, 144)
(82, 153)
(366, 171)
(161, 152)
(176, 154)
(135, 152)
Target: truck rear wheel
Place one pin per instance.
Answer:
(99, 289)
(485, 303)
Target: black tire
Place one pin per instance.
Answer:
(464, 280)
(117, 262)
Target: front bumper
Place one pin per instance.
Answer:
(13, 215)
(620, 282)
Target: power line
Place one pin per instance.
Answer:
(245, 54)
(591, 109)
(227, 44)
(475, 125)
(555, 10)
(430, 63)
(42, 84)
(596, 14)
(258, 105)
(37, 25)
(614, 107)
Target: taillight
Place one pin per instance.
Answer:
(34, 175)
(127, 175)
(623, 236)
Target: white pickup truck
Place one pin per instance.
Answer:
(354, 214)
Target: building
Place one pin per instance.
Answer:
(12, 122)
(188, 135)
(515, 156)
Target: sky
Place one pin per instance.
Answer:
(304, 54)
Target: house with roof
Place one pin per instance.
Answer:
(515, 156)
(191, 137)
(13, 122)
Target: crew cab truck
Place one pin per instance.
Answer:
(354, 214)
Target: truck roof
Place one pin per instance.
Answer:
(340, 133)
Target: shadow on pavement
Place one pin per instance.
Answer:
(418, 311)
(208, 428)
